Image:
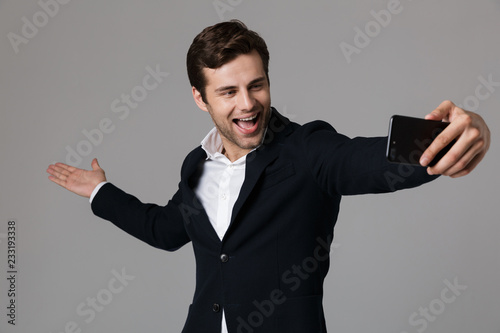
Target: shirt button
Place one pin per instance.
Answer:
(224, 258)
(223, 196)
(231, 166)
(216, 307)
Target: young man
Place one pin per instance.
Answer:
(260, 197)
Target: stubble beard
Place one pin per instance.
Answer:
(230, 135)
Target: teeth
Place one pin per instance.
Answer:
(248, 119)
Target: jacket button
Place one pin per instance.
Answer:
(224, 258)
(216, 307)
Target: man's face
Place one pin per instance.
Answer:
(239, 102)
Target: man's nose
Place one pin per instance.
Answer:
(246, 101)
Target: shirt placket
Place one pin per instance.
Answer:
(224, 196)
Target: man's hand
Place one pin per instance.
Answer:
(473, 141)
(79, 181)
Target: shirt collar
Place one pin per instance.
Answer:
(212, 144)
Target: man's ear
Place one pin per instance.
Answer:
(199, 100)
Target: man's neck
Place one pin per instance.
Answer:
(235, 153)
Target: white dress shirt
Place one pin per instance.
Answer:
(218, 187)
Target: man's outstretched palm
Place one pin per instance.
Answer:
(79, 181)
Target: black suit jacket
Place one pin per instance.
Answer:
(267, 273)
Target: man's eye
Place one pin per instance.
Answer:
(229, 93)
(256, 87)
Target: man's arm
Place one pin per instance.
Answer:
(357, 166)
(473, 141)
(161, 227)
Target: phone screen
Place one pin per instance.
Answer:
(409, 137)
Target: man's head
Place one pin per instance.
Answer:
(228, 70)
(219, 44)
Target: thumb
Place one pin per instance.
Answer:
(95, 165)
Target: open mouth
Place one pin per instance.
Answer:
(249, 124)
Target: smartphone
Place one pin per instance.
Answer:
(409, 137)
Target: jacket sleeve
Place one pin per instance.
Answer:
(158, 226)
(346, 166)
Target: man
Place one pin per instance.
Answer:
(260, 197)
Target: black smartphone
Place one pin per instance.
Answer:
(409, 137)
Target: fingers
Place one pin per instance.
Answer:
(63, 166)
(59, 172)
(55, 171)
(449, 134)
(472, 141)
(56, 175)
(443, 112)
(58, 181)
(471, 166)
(461, 159)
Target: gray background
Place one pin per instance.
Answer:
(392, 253)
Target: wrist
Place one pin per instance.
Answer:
(96, 189)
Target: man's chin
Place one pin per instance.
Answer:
(250, 145)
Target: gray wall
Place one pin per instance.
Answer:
(394, 255)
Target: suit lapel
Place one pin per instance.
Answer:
(190, 177)
(256, 162)
(259, 159)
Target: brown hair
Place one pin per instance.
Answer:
(219, 44)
